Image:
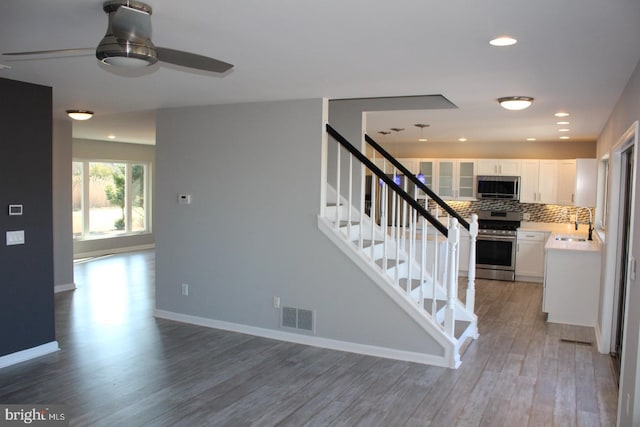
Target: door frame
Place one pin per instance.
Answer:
(610, 272)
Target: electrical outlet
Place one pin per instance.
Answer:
(185, 289)
(526, 216)
(572, 218)
(276, 302)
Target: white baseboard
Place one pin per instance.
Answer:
(331, 344)
(64, 288)
(28, 354)
(113, 251)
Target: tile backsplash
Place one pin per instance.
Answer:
(537, 212)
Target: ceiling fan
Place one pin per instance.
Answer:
(127, 42)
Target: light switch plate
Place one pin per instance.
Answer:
(15, 210)
(15, 237)
(184, 199)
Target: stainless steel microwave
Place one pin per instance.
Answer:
(498, 187)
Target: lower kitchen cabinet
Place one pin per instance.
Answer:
(530, 256)
(571, 286)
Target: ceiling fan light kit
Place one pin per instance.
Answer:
(127, 42)
(80, 114)
(515, 103)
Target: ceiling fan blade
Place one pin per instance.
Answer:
(128, 22)
(192, 60)
(44, 52)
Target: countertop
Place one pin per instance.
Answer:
(561, 245)
(564, 229)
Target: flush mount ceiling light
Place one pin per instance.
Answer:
(562, 114)
(515, 103)
(80, 114)
(503, 41)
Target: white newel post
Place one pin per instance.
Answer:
(452, 243)
(471, 286)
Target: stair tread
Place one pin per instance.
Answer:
(415, 283)
(367, 243)
(344, 223)
(390, 262)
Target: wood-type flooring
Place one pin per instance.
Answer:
(120, 366)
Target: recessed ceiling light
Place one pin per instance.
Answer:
(564, 130)
(562, 123)
(462, 139)
(515, 103)
(564, 137)
(531, 139)
(562, 114)
(503, 41)
(111, 136)
(422, 139)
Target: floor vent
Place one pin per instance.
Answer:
(576, 342)
(297, 318)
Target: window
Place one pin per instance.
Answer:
(109, 198)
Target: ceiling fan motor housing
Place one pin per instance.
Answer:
(127, 41)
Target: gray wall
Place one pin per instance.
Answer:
(26, 271)
(109, 151)
(251, 233)
(626, 112)
(62, 219)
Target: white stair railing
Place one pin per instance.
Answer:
(414, 250)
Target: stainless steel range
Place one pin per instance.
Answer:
(496, 245)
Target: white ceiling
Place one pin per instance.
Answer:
(573, 55)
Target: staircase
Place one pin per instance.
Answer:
(385, 227)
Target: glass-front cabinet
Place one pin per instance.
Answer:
(456, 179)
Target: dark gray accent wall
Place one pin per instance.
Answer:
(26, 271)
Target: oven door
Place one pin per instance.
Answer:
(496, 254)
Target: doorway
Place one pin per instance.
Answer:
(622, 258)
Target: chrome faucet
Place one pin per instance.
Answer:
(590, 221)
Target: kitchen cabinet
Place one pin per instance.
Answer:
(571, 282)
(411, 164)
(538, 181)
(586, 182)
(530, 255)
(507, 167)
(456, 179)
(566, 182)
(427, 168)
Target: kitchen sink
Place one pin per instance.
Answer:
(571, 239)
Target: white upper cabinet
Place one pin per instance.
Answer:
(456, 179)
(586, 182)
(411, 164)
(538, 181)
(566, 182)
(507, 167)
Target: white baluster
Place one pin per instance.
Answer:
(452, 243)
(436, 270)
(423, 260)
(350, 196)
(471, 286)
(337, 224)
(374, 190)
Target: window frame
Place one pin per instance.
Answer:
(86, 233)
